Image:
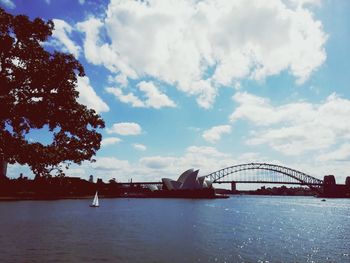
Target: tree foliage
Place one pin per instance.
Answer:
(38, 90)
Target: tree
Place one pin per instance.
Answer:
(38, 90)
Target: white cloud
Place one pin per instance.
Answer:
(214, 134)
(81, 2)
(61, 34)
(111, 164)
(125, 128)
(157, 162)
(140, 147)
(199, 46)
(294, 128)
(129, 98)
(205, 91)
(75, 172)
(300, 3)
(204, 151)
(110, 141)
(119, 79)
(8, 3)
(154, 98)
(101, 53)
(260, 111)
(88, 96)
(340, 154)
(250, 157)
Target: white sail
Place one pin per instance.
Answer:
(95, 201)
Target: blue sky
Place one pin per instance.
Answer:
(207, 84)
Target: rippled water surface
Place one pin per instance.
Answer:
(239, 229)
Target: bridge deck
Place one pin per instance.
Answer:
(265, 182)
(225, 182)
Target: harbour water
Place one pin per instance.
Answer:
(239, 229)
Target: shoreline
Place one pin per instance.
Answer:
(11, 198)
(90, 197)
(15, 198)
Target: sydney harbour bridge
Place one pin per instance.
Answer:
(265, 173)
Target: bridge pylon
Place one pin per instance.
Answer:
(233, 187)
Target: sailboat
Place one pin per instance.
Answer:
(95, 201)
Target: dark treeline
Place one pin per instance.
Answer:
(57, 188)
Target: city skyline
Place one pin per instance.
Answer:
(207, 84)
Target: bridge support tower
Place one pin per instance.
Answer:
(329, 185)
(233, 187)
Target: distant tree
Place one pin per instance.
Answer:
(112, 181)
(38, 90)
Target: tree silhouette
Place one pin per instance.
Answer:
(38, 90)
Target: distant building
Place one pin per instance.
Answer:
(188, 180)
(91, 178)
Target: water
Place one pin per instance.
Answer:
(239, 229)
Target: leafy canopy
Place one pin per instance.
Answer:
(38, 90)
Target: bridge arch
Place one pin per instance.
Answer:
(299, 177)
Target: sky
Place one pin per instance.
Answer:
(207, 84)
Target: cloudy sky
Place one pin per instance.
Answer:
(208, 84)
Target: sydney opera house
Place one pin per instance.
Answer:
(188, 180)
(189, 185)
